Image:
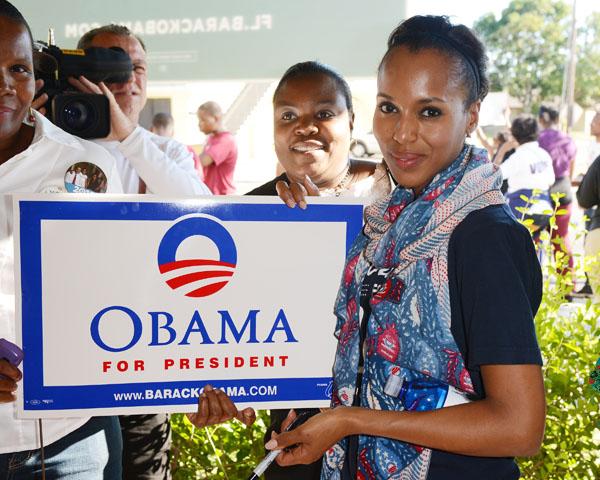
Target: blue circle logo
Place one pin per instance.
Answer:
(198, 277)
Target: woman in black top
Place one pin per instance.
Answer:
(437, 373)
(313, 120)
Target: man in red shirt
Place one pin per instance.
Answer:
(220, 151)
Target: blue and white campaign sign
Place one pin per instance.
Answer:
(131, 304)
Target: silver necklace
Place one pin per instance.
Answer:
(342, 185)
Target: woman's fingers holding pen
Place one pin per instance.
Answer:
(303, 451)
(310, 440)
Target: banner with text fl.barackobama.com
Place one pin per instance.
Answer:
(132, 306)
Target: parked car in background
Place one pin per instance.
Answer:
(364, 145)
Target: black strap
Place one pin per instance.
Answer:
(42, 455)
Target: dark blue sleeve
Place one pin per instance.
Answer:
(495, 290)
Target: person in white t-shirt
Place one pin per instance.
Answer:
(70, 176)
(34, 157)
(80, 178)
(529, 173)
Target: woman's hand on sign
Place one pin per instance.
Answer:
(295, 193)
(215, 406)
(9, 376)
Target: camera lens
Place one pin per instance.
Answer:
(86, 115)
(79, 115)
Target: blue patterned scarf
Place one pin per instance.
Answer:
(408, 331)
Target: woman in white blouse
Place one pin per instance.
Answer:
(35, 156)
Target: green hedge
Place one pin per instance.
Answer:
(569, 337)
(227, 451)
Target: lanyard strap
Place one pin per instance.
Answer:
(373, 281)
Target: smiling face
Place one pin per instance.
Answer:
(421, 121)
(131, 95)
(17, 84)
(312, 128)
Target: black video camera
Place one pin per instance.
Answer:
(83, 114)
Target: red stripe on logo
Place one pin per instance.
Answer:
(167, 267)
(193, 277)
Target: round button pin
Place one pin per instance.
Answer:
(85, 177)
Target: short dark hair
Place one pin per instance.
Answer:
(457, 41)
(212, 108)
(162, 120)
(113, 29)
(548, 114)
(8, 10)
(524, 128)
(313, 67)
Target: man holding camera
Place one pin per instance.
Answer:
(146, 162)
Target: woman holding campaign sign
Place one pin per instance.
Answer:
(36, 156)
(313, 120)
(437, 374)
